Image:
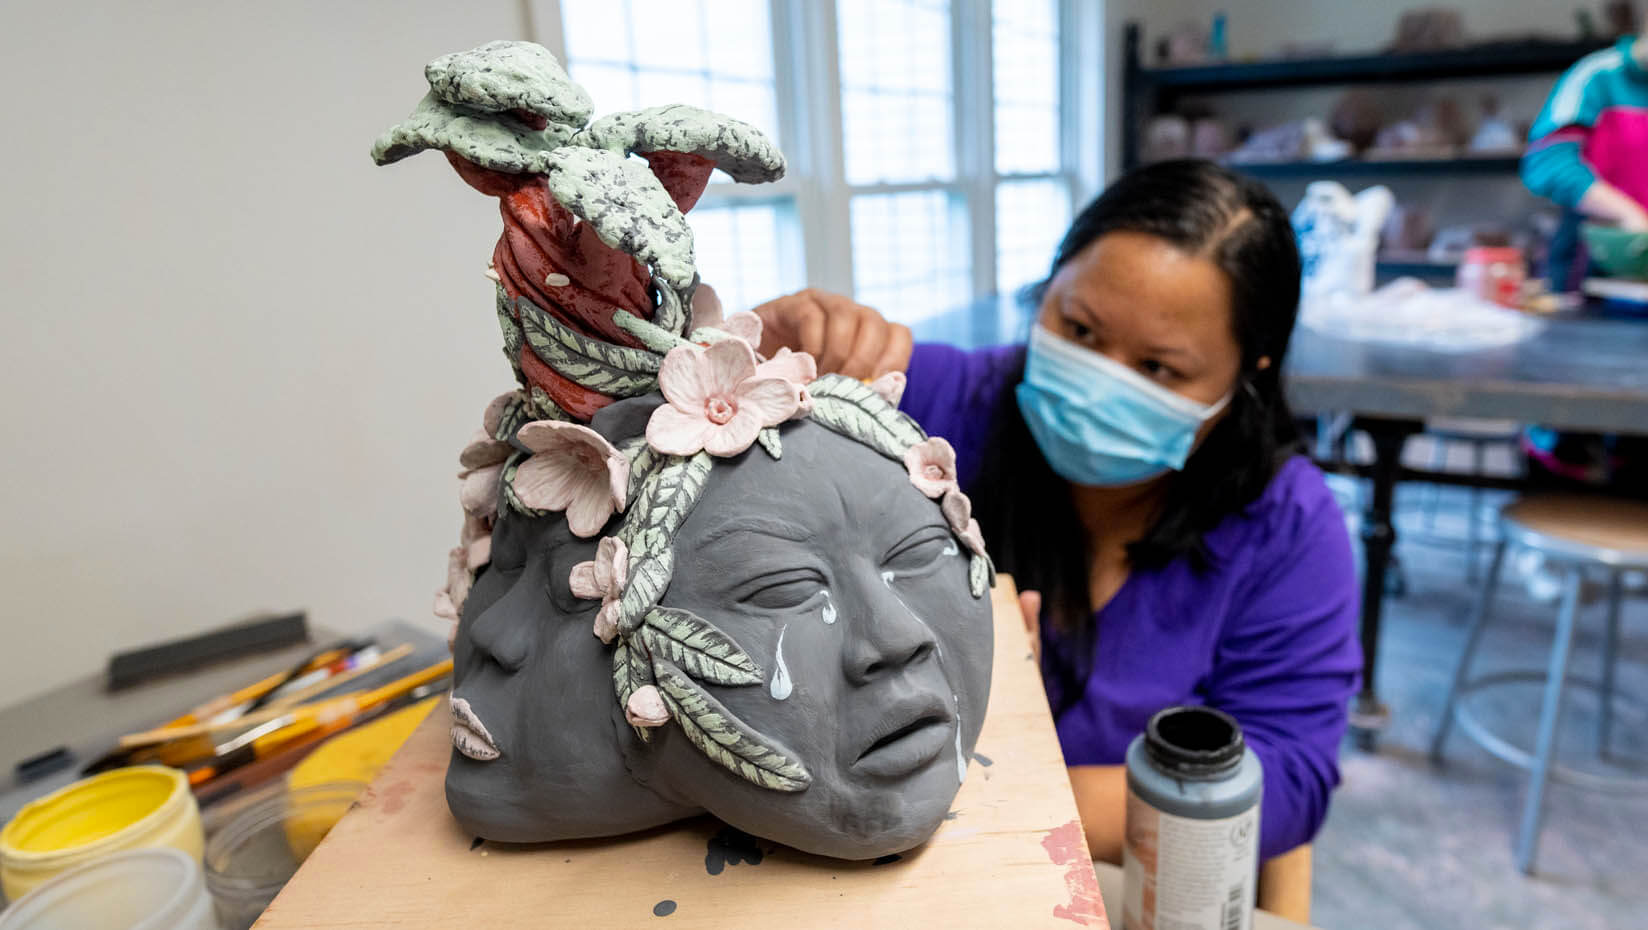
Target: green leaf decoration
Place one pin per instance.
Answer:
(769, 441)
(516, 413)
(672, 315)
(656, 510)
(543, 407)
(848, 406)
(649, 576)
(725, 739)
(698, 647)
(643, 461)
(511, 464)
(512, 336)
(617, 371)
(651, 335)
(663, 502)
(979, 572)
(631, 670)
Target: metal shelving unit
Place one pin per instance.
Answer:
(1148, 91)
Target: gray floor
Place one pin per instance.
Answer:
(1411, 845)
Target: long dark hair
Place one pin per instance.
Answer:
(1025, 509)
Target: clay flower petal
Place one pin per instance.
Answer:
(744, 325)
(716, 402)
(583, 581)
(572, 468)
(476, 538)
(958, 510)
(458, 577)
(478, 491)
(798, 367)
(605, 575)
(444, 608)
(674, 431)
(773, 400)
(606, 622)
(736, 435)
(973, 537)
(482, 451)
(646, 708)
(890, 386)
(691, 376)
(932, 467)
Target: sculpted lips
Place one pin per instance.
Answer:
(469, 735)
(910, 734)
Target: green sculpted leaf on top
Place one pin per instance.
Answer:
(502, 145)
(698, 647)
(725, 739)
(741, 150)
(627, 207)
(502, 76)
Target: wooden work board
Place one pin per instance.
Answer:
(1012, 854)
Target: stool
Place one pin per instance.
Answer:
(1478, 436)
(1573, 532)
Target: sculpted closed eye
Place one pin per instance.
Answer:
(919, 551)
(781, 590)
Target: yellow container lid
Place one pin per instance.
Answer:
(146, 805)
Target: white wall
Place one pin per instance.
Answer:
(237, 361)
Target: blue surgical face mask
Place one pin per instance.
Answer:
(1101, 423)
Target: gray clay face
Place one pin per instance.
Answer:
(833, 572)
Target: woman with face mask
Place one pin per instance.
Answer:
(1135, 467)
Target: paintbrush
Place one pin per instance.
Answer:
(323, 710)
(241, 754)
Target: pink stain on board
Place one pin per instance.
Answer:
(1066, 846)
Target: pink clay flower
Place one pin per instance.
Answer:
(798, 368)
(603, 577)
(932, 467)
(646, 708)
(890, 386)
(717, 404)
(478, 490)
(494, 415)
(476, 540)
(482, 450)
(744, 325)
(572, 468)
(958, 512)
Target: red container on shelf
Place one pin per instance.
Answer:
(1494, 273)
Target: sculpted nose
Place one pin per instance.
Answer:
(504, 630)
(886, 637)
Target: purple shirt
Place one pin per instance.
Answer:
(1267, 634)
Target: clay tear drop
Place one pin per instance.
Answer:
(781, 685)
(828, 613)
(952, 549)
(961, 758)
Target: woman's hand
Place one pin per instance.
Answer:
(1030, 606)
(845, 337)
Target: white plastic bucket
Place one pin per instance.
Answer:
(142, 889)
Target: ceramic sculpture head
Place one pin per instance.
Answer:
(689, 578)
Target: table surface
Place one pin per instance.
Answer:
(1582, 372)
(1013, 855)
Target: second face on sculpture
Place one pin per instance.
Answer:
(828, 568)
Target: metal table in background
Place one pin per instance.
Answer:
(1582, 373)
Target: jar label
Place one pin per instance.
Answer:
(1182, 873)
